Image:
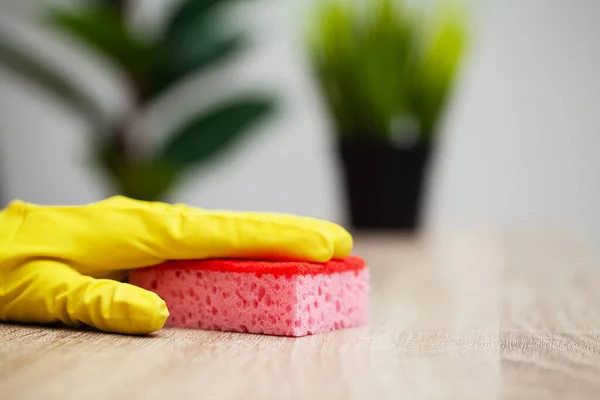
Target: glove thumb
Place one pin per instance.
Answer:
(46, 291)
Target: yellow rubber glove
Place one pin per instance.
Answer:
(62, 263)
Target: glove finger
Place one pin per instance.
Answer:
(178, 231)
(232, 234)
(47, 291)
(341, 238)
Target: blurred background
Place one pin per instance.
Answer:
(379, 115)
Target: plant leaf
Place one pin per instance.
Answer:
(377, 68)
(191, 54)
(210, 133)
(361, 61)
(15, 58)
(192, 41)
(332, 41)
(436, 67)
(188, 14)
(101, 28)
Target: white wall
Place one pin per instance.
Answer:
(518, 147)
(521, 146)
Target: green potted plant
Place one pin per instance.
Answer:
(386, 74)
(151, 67)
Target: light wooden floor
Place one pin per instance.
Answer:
(470, 316)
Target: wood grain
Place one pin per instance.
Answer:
(461, 316)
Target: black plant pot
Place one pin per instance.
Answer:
(384, 184)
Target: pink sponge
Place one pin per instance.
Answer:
(269, 297)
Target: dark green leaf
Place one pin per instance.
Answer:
(193, 40)
(190, 55)
(188, 14)
(210, 133)
(16, 59)
(103, 29)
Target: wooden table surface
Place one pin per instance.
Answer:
(462, 316)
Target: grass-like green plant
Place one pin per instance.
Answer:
(382, 64)
(152, 66)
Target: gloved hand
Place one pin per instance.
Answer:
(64, 263)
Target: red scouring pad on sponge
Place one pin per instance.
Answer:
(268, 297)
